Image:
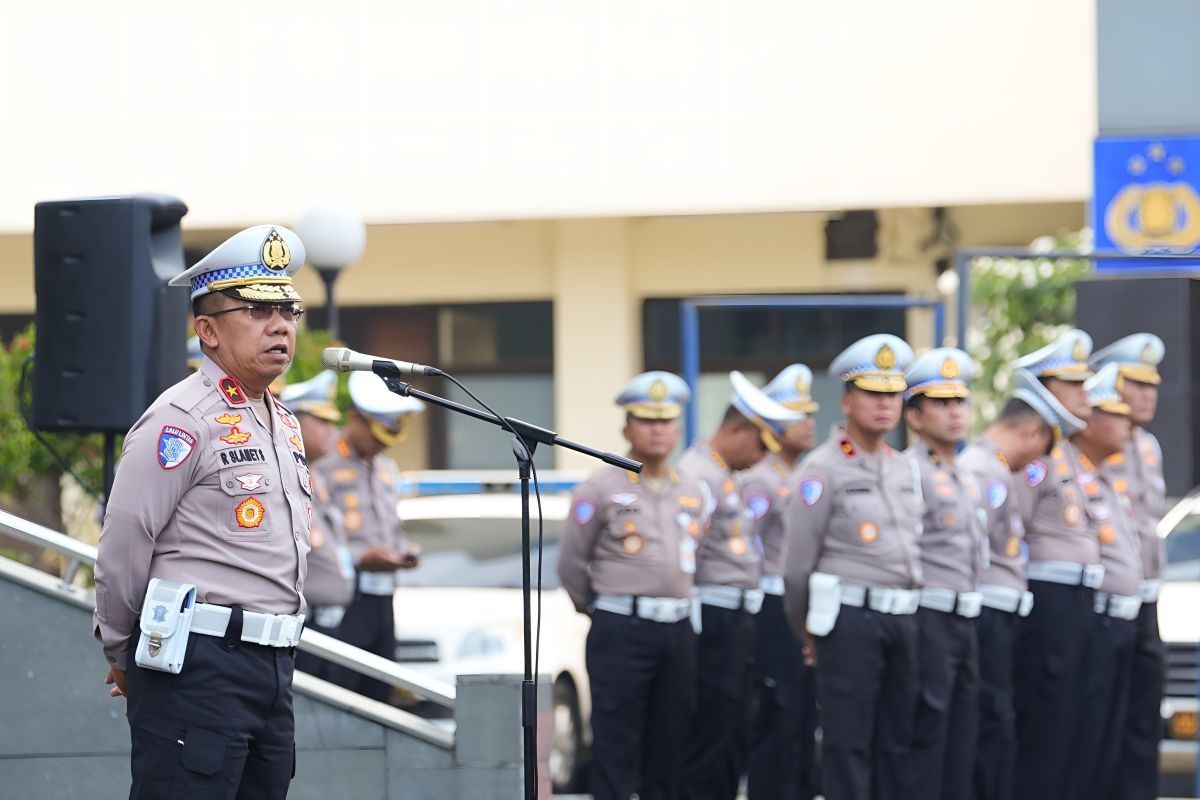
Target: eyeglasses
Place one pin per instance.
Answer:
(263, 312)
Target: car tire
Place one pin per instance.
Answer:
(566, 741)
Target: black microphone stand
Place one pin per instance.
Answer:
(528, 437)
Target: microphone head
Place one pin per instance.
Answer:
(336, 358)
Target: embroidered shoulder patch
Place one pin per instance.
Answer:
(583, 511)
(759, 505)
(1035, 473)
(811, 490)
(174, 446)
(997, 493)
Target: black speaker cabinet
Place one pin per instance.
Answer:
(1112, 306)
(110, 335)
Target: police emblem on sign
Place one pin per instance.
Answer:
(811, 490)
(997, 494)
(174, 446)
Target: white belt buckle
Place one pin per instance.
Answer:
(969, 604)
(1026, 604)
(1093, 575)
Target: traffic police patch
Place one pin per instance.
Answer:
(997, 493)
(759, 505)
(811, 490)
(174, 446)
(583, 511)
(1035, 473)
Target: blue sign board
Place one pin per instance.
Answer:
(1146, 202)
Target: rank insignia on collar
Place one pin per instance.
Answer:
(228, 419)
(231, 390)
(343, 448)
(848, 448)
(235, 436)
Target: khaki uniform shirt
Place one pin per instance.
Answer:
(767, 492)
(952, 543)
(365, 492)
(207, 493)
(330, 564)
(1110, 519)
(853, 514)
(1052, 507)
(727, 554)
(1005, 529)
(1137, 472)
(626, 537)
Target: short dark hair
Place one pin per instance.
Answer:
(735, 417)
(205, 303)
(914, 402)
(1016, 411)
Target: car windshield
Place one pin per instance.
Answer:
(1183, 549)
(478, 553)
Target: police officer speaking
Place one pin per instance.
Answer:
(201, 562)
(330, 584)
(853, 575)
(953, 554)
(362, 480)
(627, 557)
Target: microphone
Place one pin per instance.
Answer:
(343, 359)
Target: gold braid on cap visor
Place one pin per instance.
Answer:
(766, 434)
(654, 410)
(387, 436)
(1142, 373)
(874, 381)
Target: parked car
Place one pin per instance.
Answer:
(460, 612)
(1179, 623)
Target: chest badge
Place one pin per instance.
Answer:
(250, 513)
(249, 482)
(1071, 514)
(632, 544)
(738, 546)
(235, 436)
(868, 531)
(624, 498)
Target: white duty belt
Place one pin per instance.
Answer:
(380, 584)
(948, 601)
(272, 630)
(772, 585)
(1006, 598)
(885, 601)
(1150, 589)
(1118, 606)
(1068, 573)
(655, 609)
(730, 597)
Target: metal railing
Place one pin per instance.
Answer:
(80, 554)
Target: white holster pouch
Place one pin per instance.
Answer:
(166, 621)
(824, 603)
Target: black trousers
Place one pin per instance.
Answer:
(946, 726)
(996, 754)
(785, 711)
(221, 729)
(718, 738)
(369, 624)
(1101, 736)
(642, 676)
(867, 690)
(1137, 778)
(1048, 691)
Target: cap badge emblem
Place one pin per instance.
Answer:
(949, 369)
(276, 255)
(658, 391)
(885, 358)
(1080, 352)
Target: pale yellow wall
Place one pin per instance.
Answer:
(16, 274)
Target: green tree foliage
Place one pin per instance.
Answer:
(1017, 306)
